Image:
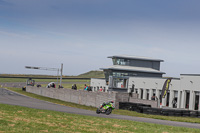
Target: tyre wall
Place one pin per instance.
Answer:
(147, 109)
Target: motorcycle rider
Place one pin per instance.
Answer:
(104, 104)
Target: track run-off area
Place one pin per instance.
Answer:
(13, 98)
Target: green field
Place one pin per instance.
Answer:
(14, 80)
(66, 83)
(20, 77)
(18, 119)
(117, 111)
(90, 74)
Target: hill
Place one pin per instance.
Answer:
(92, 74)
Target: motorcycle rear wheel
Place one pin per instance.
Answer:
(108, 111)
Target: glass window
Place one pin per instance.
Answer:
(123, 74)
(114, 61)
(120, 83)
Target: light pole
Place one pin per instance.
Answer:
(49, 69)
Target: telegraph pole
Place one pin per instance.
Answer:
(61, 71)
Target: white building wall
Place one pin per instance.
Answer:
(157, 85)
(186, 83)
(190, 83)
(97, 83)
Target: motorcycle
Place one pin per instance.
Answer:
(106, 108)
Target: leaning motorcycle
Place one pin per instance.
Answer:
(106, 108)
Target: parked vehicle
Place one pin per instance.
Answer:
(106, 108)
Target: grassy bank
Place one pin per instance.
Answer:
(120, 112)
(12, 80)
(21, 119)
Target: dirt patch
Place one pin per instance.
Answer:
(44, 131)
(40, 112)
(11, 125)
(115, 125)
(90, 121)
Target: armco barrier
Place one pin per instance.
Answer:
(147, 109)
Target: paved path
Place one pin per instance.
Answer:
(12, 98)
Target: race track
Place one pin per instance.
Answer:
(12, 98)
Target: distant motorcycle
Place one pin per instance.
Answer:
(106, 108)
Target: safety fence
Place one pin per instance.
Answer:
(147, 109)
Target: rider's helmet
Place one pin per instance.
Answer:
(112, 101)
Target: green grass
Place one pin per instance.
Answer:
(12, 80)
(90, 74)
(117, 111)
(18, 119)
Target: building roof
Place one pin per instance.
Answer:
(132, 68)
(135, 57)
(190, 74)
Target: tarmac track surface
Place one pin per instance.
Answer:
(12, 98)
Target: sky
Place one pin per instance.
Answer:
(81, 34)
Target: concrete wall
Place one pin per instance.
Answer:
(149, 102)
(78, 96)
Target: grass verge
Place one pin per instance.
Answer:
(28, 120)
(117, 111)
(12, 80)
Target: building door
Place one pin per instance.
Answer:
(196, 102)
(141, 94)
(187, 100)
(167, 102)
(147, 94)
(160, 96)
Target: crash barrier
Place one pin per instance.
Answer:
(147, 109)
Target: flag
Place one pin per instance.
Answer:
(165, 87)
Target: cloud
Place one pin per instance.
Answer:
(5, 3)
(17, 35)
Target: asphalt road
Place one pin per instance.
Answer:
(12, 98)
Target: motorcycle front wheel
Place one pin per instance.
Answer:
(98, 111)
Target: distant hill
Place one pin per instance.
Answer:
(92, 74)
